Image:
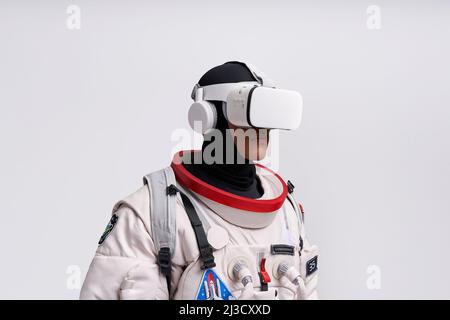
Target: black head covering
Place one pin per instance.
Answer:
(239, 177)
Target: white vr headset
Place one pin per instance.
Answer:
(246, 104)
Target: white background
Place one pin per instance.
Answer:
(86, 113)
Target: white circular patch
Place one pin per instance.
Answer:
(218, 237)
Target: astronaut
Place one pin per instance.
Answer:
(214, 224)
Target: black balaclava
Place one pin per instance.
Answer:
(239, 177)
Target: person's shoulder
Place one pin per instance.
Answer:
(137, 202)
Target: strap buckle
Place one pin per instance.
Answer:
(165, 260)
(290, 186)
(206, 254)
(171, 190)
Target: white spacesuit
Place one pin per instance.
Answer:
(180, 237)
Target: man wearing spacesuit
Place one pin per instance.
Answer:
(213, 225)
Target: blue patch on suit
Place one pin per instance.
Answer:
(213, 288)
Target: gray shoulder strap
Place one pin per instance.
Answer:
(162, 209)
(300, 216)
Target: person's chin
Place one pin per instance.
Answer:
(257, 155)
(261, 156)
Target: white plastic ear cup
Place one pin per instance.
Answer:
(202, 116)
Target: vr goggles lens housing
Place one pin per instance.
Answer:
(264, 107)
(249, 104)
